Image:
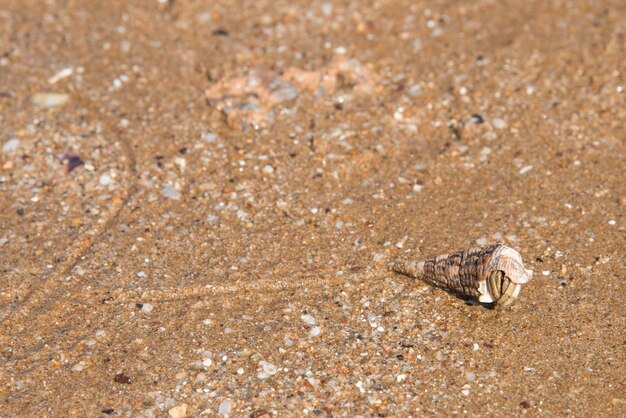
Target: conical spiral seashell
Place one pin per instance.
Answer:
(494, 274)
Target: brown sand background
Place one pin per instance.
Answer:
(248, 169)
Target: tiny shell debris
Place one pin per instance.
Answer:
(499, 123)
(525, 169)
(491, 275)
(178, 411)
(64, 73)
(72, 161)
(50, 99)
(10, 146)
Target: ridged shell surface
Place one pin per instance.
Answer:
(494, 274)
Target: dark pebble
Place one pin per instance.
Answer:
(20, 212)
(477, 119)
(108, 411)
(122, 378)
(220, 32)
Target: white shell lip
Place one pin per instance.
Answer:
(510, 262)
(485, 294)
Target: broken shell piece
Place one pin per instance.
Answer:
(494, 274)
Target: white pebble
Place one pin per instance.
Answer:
(141, 274)
(224, 408)
(170, 192)
(10, 146)
(327, 8)
(210, 137)
(359, 385)
(146, 307)
(499, 123)
(78, 367)
(269, 368)
(612, 222)
(268, 169)
(401, 378)
(308, 319)
(240, 371)
(417, 187)
(207, 362)
(315, 331)
(476, 347)
(546, 272)
(241, 214)
(104, 180)
(470, 376)
(481, 241)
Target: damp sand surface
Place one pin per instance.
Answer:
(198, 201)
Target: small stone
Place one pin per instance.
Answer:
(612, 222)
(141, 274)
(178, 411)
(315, 331)
(104, 180)
(414, 90)
(417, 188)
(10, 146)
(225, 407)
(147, 307)
(207, 362)
(268, 370)
(308, 319)
(122, 378)
(210, 137)
(268, 169)
(170, 192)
(50, 99)
(477, 119)
(401, 378)
(78, 367)
(470, 376)
(546, 272)
(481, 241)
(499, 123)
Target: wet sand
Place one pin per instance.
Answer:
(198, 201)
